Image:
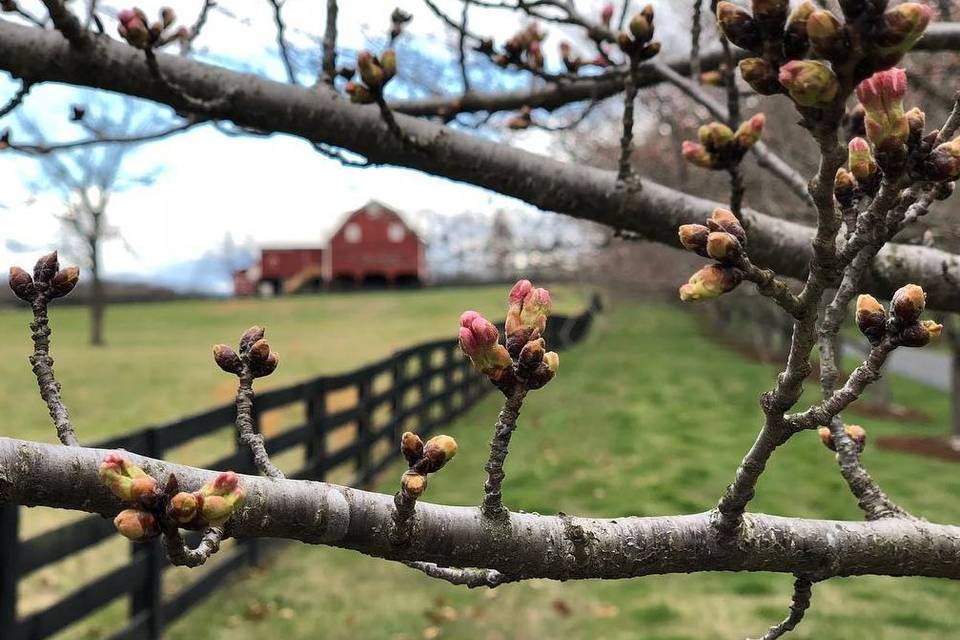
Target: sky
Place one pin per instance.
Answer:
(275, 189)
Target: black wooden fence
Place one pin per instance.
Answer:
(426, 386)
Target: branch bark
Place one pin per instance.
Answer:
(532, 546)
(654, 211)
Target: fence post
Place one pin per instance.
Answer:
(317, 444)
(363, 432)
(426, 374)
(399, 371)
(9, 551)
(146, 600)
(448, 381)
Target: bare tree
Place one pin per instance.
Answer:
(897, 167)
(85, 178)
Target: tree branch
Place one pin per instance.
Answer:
(532, 546)
(802, 588)
(655, 211)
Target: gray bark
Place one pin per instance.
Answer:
(525, 545)
(654, 211)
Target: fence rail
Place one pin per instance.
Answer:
(429, 385)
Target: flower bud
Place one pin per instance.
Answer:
(479, 341)
(132, 27)
(358, 93)
(45, 268)
(795, 39)
(902, 27)
(919, 334)
(265, 368)
(184, 507)
(697, 155)
(723, 247)
(250, 336)
(258, 352)
(710, 282)
(606, 14)
(916, 120)
(413, 484)
(827, 35)
(943, 163)
(771, 15)
(723, 220)
(739, 26)
(871, 318)
(844, 187)
(641, 28)
(411, 446)
(854, 431)
(21, 283)
(125, 480)
(552, 360)
(532, 353)
(715, 136)
(167, 16)
(908, 303)
(861, 160)
(809, 83)
(63, 282)
(370, 71)
(227, 359)
(136, 525)
(882, 98)
(760, 75)
(438, 451)
(220, 497)
(527, 307)
(388, 62)
(748, 133)
(693, 237)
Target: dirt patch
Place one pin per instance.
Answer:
(929, 446)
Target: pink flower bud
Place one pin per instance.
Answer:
(606, 14)
(519, 292)
(136, 525)
(861, 160)
(882, 98)
(748, 133)
(697, 155)
(809, 83)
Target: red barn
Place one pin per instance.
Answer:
(373, 246)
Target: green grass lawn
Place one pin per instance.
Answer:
(647, 417)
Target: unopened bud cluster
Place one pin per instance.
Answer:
(782, 40)
(423, 459)
(255, 356)
(522, 49)
(138, 31)
(853, 431)
(723, 239)
(375, 73)
(903, 326)
(720, 147)
(48, 281)
(523, 359)
(149, 505)
(636, 42)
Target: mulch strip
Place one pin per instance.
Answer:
(928, 446)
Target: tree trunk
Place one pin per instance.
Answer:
(97, 299)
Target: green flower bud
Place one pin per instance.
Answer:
(739, 27)
(709, 282)
(809, 83)
(760, 75)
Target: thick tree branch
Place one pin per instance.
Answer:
(533, 546)
(654, 212)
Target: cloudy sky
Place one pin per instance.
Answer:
(273, 189)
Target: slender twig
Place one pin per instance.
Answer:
(625, 171)
(245, 426)
(695, 30)
(181, 555)
(42, 364)
(43, 149)
(192, 102)
(17, 99)
(198, 24)
(464, 76)
(387, 114)
(282, 40)
(506, 424)
(329, 66)
(470, 577)
(802, 588)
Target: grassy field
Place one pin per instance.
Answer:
(647, 417)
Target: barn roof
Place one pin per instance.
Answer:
(324, 236)
(371, 205)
